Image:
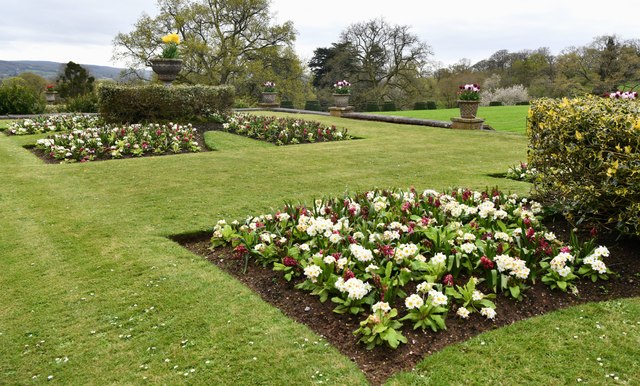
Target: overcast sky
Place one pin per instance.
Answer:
(83, 30)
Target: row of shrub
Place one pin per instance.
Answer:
(314, 105)
(587, 153)
(158, 103)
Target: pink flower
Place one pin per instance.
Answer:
(448, 280)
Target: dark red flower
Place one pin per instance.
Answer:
(594, 232)
(387, 250)
(406, 206)
(531, 233)
(352, 240)
(499, 248)
(348, 275)
(336, 255)
(486, 263)
(289, 261)
(565, 249)
(240, 251)
(448, 280)
(527, 221)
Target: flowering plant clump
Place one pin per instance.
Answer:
(50, 88)
(283, 131)
(623, 95)
(522, 172)
(469, 92)
(117, 141)
(411, 249)
(170, 49)
(342, 87)
(52, 123)
(269, 87)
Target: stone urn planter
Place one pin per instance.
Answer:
(468, 109)
(341, 100)
(166, 69)
(269, 97)
(50, 96)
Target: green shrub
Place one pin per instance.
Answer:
(286, 104)
(587, 153)
(420, 106)
(371, 107)
(16, 97)
(431, 105)
(158, 103)
(312, 105)
(389, 106)
(87, 103)
(495, 103)
(523, 103)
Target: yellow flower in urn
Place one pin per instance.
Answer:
(170, 49)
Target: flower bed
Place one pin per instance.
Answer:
(419, 256)
(53, 123)
(119, 141)
(282, 131)
(522, 172)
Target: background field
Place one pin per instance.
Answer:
(511, 119)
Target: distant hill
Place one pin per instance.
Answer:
(50, 70)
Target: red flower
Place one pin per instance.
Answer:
(289, 261)
(240, 251)
(565, 249)
(387, 250)
(448, 280)
(531, 233)
(348, 275)
(486, 263)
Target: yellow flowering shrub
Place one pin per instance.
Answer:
(587, 153)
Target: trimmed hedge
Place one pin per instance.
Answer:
(495, 103)
(158, 103)
(428, 105)
(371, 107)
(389, 106)
(286, 104)
(587, 153)
(312, 105)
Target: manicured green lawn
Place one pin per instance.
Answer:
(93, 292)
(502, 118)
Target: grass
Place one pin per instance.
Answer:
(511, 119)
(95, 293)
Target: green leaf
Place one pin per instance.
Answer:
(515, 291)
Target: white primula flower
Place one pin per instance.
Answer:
(361, 253)
(601, 251)
(329, 260)
(468, 248)
(425, 287)
(371, 268)
(355, 288)
(283, 217)
(463, 312)
(477, 296)
(438, 258)
(564, 271)
(341, 263)
(488, 313)
(381, 306)
(501, 236)
(438, 298)
(304, 247)
(335, 238)
(413, 301)
(312, 272)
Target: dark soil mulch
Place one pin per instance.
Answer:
(380, 363)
